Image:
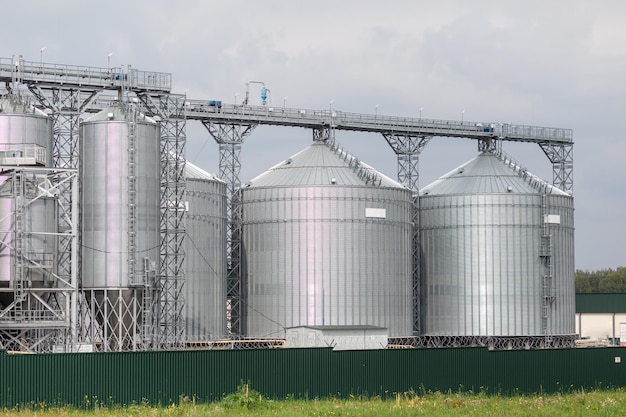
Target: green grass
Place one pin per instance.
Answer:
(247, 402)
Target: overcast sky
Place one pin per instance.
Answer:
(544, 63)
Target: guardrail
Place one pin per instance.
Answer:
(22, 154)
(203, 110)
(83, 76)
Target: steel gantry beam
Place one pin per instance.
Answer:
(264, 115)
(230, 137)
(17, 70)
(408, 149)
(557, 143)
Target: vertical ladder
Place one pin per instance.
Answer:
(19, 283)
(548, 296)
(132, 195)
(149, 270)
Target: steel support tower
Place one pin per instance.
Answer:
(69, 91)
(170, 326)
(408, 149)
(230, 137)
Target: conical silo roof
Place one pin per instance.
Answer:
(322, 164)
(196, 173)
(116, 112)
(110, 113)
(488, 174)
(13, 105)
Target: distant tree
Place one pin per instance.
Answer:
(601, 281)
(583, 282)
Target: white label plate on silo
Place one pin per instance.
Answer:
(377, 213)
(552, 218)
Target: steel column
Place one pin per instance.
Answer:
(323, 133)
(562, 158)
(168, 324)
(230, 137)
(490, 145)
(408, 149)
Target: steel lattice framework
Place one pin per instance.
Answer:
(69, 91)
(562, 158)
(41, 316)
(67, 105)
(408, 149)
(169, 323)
(230, 137)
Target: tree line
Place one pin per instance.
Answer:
(601, 281)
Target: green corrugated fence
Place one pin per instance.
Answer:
(164, 377)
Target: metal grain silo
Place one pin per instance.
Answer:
(25, 132)
(498, 253)
(27, 218)
(120, 216)
(326, 241)
(205, 255)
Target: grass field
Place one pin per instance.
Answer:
(247, 402)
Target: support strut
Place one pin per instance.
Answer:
(562, 158)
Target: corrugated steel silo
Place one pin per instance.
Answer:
(498, 253)
(37, 227)
(25, 140)
(205, 255)
(326, 241)
(120, 194)
(25, 134)
(120, 220)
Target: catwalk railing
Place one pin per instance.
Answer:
(17, 69)
(315, 119)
